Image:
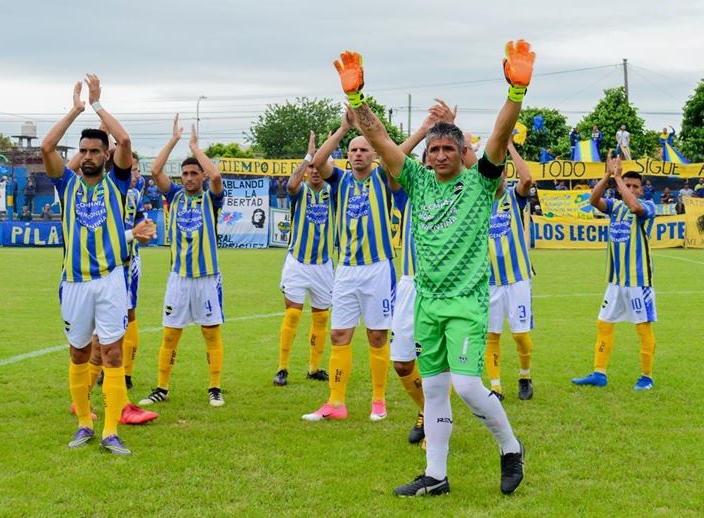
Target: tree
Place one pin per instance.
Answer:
(691, 138)
(231, 150)
(552, 134)
(609, 114)
(6, 143)
(282, 130)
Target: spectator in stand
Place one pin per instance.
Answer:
(46, 212)
(560, 186)
(623, 143)
(574, 142)
(667, 196)
(686, 191)
(11, 196)
(581, 185)
(282, 193)
(679, 207)
(699, 188)
(154, 196)
(648, 191)
(597, 137)
(26, 215)
(29, 192)
(272, 192)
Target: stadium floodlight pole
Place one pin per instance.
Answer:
(198, 113)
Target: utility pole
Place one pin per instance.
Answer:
(409, 115)
(198, 114)
(625, 77)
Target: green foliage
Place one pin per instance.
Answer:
(231, 150)
(691, 138)
(282, 131)
(555, 138)
(6, 143)
(609, 113)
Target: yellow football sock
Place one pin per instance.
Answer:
(316, 338)
(604, 345)
(130, 342)
(647, 347)
(379, 361)
(93, 373)
(167, 355)
(492, 360)
(114, 398)
(213, 341)
(80, 392)
(413, 385)
(340, 370)
(287, 333)
(524, 346)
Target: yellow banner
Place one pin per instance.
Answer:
(556, 233)
(694, 218)
(257, 166)
(568, 204)
(567, 170)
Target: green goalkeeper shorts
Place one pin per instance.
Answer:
(450, 334)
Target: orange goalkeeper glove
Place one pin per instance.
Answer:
(351, 71)
(518, 68)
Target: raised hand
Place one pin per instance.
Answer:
(518, 68)
(177, 130)
(93, 83)
(518, 63)
(311, 143)
(443, 112)
(77, 102)
(351, 72)
(193, 142)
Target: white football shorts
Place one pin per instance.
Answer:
(98, 305)
(367, 291)
(298, 279)
(197, 300)
(512, 302)
(628, 304)
(403, 344)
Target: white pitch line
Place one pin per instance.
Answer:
(676, 258)
(56, 348)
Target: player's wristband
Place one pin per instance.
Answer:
(96, 106)
(356, 99)
(129, 235)
(308, 158)
(517, 93)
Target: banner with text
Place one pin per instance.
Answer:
(569, 204)
(555, 233)
(32, 233)
(694, 217)
(243, 218)
(279, 227)
(568, 170)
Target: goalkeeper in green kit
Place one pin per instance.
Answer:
(450, 223)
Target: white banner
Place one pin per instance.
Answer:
(243, 218)
(279, 227)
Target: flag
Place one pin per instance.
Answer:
(586, 151)
(520, 132)
(670, 154)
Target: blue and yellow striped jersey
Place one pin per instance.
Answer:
(508, 250)
(312, 228)
(408, 246)
(193, 232)
(362, 217)
(628, 254)
(92, 224)
(133, 206)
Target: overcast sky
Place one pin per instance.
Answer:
(157, 57)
